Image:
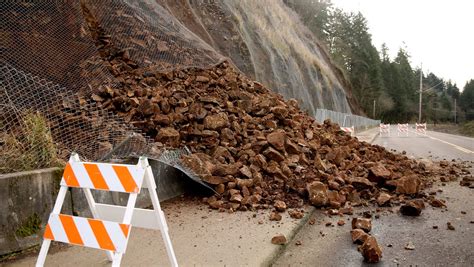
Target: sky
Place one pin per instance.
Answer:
(437, 33)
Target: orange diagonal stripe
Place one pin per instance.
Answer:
(71, 230)
(125, 228)
(69, 176)
(96, 176)
(126, 179)
(101, 234)
(48, 234)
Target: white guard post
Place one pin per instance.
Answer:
(349, 130)
(402, 129)
(110, 227)
(384, 129)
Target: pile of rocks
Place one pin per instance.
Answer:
(255, 148)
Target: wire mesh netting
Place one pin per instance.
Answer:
(51, 64)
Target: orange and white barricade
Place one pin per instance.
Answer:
(110, 227)
(384, 129)
(349, 130)
(420, 128)
(402, 129)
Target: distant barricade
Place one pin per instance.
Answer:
(384, 129)
(402, 129)
(420, 128)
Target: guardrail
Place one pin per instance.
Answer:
(345, 119)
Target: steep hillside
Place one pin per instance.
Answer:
(267, 41)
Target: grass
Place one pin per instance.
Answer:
(465, 129)
(30, 227)
(27, 145)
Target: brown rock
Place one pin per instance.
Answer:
(362, 223)
(359, 236)
(412, 207)
(279, 205)
(279, 111)
(216, 204)
(296, 214)
(203, 79)
(169, 136)
(341, 222)
(220, 188)
(450, 226)
(236, 198)
(215, 122)
(408, 185)
(378, 173)
(273, 154)
(279, 240)
(383, 199)
(319, 164)
(371, 250)
(245, 171)
(318, 194)
(361, 183)
(275, 216)
(277, 139)
(437, 203)
(147, 107)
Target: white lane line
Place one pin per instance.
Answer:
(465, 150)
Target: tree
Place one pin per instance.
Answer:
(466, 100)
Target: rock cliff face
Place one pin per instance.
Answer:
(267, 41)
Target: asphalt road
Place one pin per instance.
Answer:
(332, 246)
(433, 145)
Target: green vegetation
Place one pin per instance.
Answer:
(30, 227)
(27, 146)
(467, 129)
(392, 84)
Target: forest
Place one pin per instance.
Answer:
(385, 88)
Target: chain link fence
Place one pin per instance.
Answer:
(346, 119)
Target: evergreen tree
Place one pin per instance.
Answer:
(467, 99)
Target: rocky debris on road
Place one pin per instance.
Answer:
(364, 224)
(256, 149)
(412, 207)
(467, 181)
(437, 203)
(359, 236)
(450, 226)
(410, 246)
(383, 199)
(371, 251)
(275, 216)
(279, 205)
(296, 214)
(279, 240)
